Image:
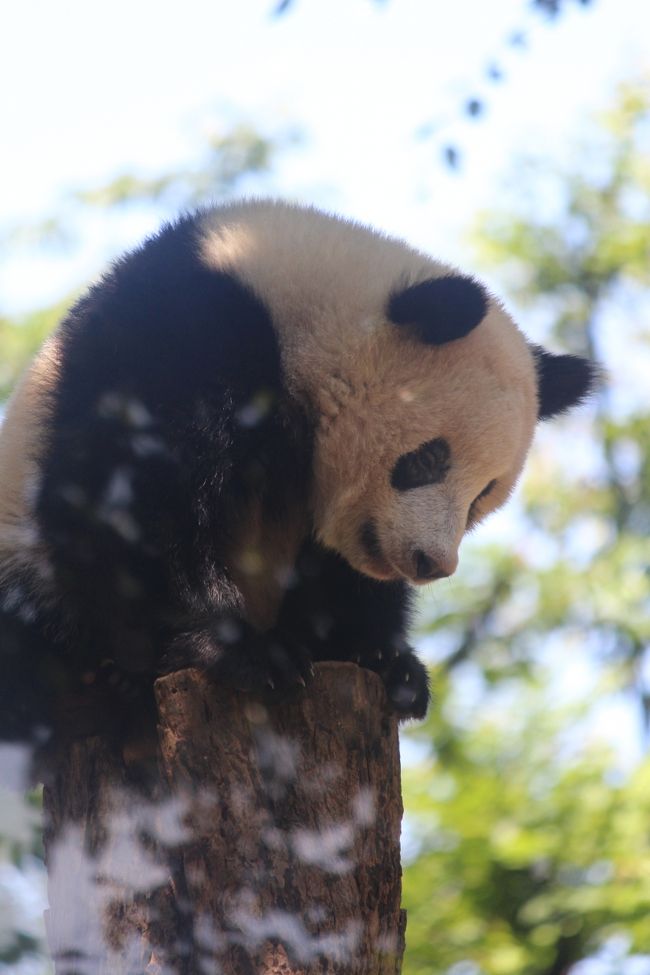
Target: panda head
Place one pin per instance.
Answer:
(427, 432)
(424, 394)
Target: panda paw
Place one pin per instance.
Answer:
(407, 684)
(270, 665)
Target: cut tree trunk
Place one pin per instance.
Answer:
(266, 842)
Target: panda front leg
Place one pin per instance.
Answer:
(404, 675)
(342, 615)
(407, 684)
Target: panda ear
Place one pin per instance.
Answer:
(439, 310)
(563, 381)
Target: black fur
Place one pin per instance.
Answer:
(170, 419)
(429, 464)
(439, 310)
(563, 381)
(33, 674)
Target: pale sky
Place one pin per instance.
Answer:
(91, 89)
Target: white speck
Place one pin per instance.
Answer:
(11, 598)
(255, 410)
(73, 494)
(363, 807)
(122, 523)
(119, 492)
(146, 445)
(326, 848)
(126, 408)
(256, 927)
(27, 612)
(278, 757)
(228, 631)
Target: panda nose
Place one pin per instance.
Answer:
(427, 567)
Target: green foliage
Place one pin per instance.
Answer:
(597, 229)
(532, 849)
(216, 173)
(22, 944)
(226, 159)
(19, 340)
(527, 862)
(20, 846)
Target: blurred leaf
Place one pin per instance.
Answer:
(550, 8)
(20, 338)
(495, 72)
(518, 39)
(452, 157)
(474, 107)
(228, 156)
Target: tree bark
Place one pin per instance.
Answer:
(266, 841)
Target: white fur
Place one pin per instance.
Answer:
(21, 445)
(380, 394)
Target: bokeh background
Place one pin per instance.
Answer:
(509, 137)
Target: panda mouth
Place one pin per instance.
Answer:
(378, 566)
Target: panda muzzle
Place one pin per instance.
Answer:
(429, 566)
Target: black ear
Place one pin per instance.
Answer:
(563, 381)
(439, 310)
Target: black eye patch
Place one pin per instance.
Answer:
(429, 464)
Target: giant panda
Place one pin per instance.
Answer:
(243, 448)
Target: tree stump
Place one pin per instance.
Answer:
(265, 843)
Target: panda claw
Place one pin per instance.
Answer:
(270, 665)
